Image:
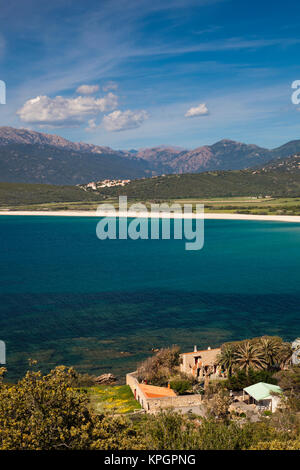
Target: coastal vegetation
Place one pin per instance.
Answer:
(24, 194)
(34, 197)
(47, 412)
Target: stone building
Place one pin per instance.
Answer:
(201, 364)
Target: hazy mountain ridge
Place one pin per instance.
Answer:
(34, 157)
(224, 155)
(161, 155)
(10, 135)
(31, 163)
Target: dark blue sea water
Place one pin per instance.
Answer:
(67, 297)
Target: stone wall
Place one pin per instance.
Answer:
(184, 403)
(131, 380)
(133, 383)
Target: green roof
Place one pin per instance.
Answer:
(261, 390)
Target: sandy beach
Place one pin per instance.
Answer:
(207, 216)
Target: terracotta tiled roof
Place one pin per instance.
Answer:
(151, 391)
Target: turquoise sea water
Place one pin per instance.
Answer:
(67, 297)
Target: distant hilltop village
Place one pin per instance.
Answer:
(95, 185)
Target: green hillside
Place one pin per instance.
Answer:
(213, 184)
(273, 188)
(20, 194)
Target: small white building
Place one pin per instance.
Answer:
(261, 395)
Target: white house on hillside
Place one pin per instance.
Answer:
(261, 394)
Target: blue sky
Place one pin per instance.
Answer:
(185, 73)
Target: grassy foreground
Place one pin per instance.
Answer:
(112, 399)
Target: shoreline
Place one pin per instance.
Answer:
(130, 214)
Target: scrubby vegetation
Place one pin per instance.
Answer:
(214, 184)
(158, 369)
(22, 194)
(47, 412)
(60, 410)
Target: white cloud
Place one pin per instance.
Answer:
(200, 110)
(60, 111)
(123, 120)
(91, 125)
(110, 86)
(87, 89)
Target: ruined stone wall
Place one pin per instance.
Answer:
(180, 403)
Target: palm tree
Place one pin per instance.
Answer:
(248, 356)
(269, 348)
(226, 359)
(284, 355)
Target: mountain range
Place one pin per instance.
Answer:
(33, 157)
(278, 178)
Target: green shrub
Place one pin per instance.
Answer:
(181, 386)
